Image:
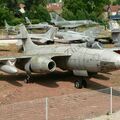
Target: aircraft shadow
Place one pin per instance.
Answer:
(50, 80)
(4, 50)
(101, 77)
(13, 79)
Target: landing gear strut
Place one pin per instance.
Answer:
(81, 83)
(28, 79)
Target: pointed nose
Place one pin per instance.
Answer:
(110, 62)
(117, 62)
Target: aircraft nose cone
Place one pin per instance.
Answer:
(110, 62)
(117, 62)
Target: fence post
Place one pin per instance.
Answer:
(46, 108)
(111, 101)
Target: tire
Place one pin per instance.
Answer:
(84, 83)
(78, 84)
(27, 81)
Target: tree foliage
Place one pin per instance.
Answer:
(39, 12)
(117, 2)
(5, 14)
(9, 9)
(85, 9)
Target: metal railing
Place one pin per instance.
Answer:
(78, 106)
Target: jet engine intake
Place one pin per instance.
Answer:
(40, 64)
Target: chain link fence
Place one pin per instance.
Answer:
(78, 106)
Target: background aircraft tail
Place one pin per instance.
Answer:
(6, 25)
(55, 17)
(27, 43)
(50, 34)
(115, 30)
(28, 21)
(93, 32)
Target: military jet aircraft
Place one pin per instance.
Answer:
(78, 37)
(10, 28)
(43, 25)
(62, 23)
(115, 30)
(45, 38)
(72, 57)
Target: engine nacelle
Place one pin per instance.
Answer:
(40, 64)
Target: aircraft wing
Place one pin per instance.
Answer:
(115, 49)
(5, 58)
(71, 26)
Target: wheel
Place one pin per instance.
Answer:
(84, 83)
(78, 84)
(26, 80)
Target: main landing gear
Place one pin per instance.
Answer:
(81, 83)
(28, 78)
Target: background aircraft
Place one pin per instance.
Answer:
(88, 35)
(44, 25)
(115, 30)
(72, 57)
(10, 28)
(62, 23)
(45, 38)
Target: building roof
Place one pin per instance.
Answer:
(112, 8)
(54, 6)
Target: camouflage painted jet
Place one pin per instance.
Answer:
(62, 23)
(72, 57)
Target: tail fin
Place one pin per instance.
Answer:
(93, 32)
(50, 34)
(115, 29)
(55, 17)
(6, 25)
(28, 21)
(27, 43)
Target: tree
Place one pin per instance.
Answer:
(117, 2)
(39, 12)
(9, 10)
(5, 14)
(85, 9)
(30, 3)
(68, 14)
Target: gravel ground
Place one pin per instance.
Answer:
(114, 116)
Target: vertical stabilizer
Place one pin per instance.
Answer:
(50, 34)
(28, 21)
(55, 17)
(6, 25)
(27, 43)
(115, 30)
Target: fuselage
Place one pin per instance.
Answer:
(76, 57)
